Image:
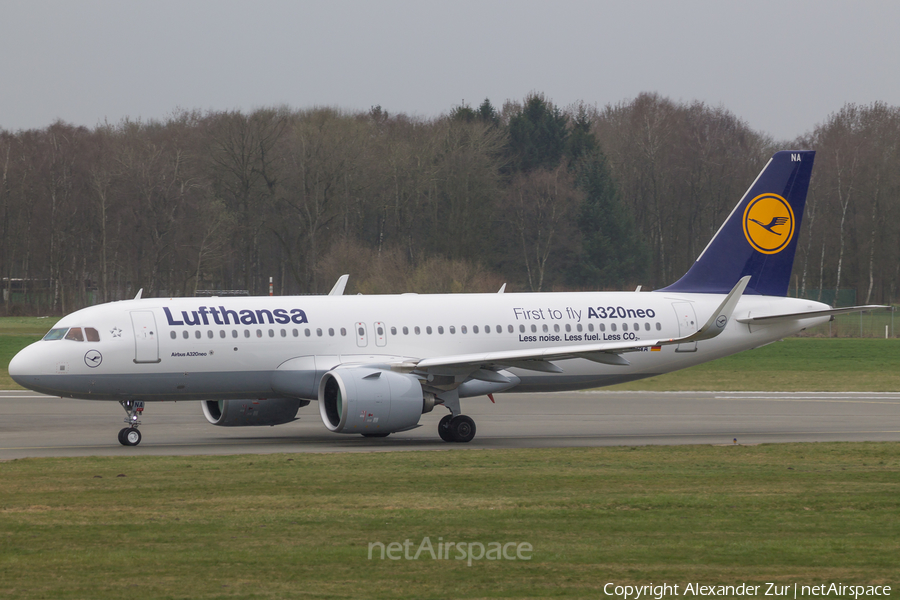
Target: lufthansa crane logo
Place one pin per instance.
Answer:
(93, 359)
(769, 223)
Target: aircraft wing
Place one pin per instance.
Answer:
(604, 352)
(771, 319)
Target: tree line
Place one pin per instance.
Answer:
(530, 193)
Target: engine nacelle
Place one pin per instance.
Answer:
(371, 401)
(243, 413)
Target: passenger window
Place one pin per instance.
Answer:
(511, 329)
(393, 331)
(612, 327)
(474, 328)
(534, 329)
(545, 328)
(462, 329)
(271, 333)
(234, 333)
(428, 330)
(624, 327)
(197, 334)
(579, 328)
(173, 335)
(222, 333)
(259, 333)
(331, 331)
(556, 328)
(602, 327)
(591, 327)
(308, 333)
(284, 332)
(209, 334)
(296, 333)
(75, 335)
(637, 326)
(441, 329)
(379, 329)
(658, 327)
(521, 329)
(319, 332)
(184, 334)
(91, 334)
(343, 331)
(568, 328)
(647, 326)
(405, 330)
(417, 330)
(246, 333)
(452, 329)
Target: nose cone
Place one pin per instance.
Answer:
(24, 366)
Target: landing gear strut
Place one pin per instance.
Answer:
(130, 436)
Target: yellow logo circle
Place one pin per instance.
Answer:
(769, 223)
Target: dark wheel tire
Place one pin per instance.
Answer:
(122, 436)
(132, 437)
(444, 429)
(462, 428)
(376, 435)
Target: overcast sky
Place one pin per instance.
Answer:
(781, 66)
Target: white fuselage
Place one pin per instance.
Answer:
(221, 348)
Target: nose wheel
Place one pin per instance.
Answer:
(130, 436)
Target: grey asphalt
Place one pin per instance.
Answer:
(32, 425)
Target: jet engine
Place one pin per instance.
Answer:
(373, 402)
(243, 413)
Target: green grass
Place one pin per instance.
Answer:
(283, 526)
(794, 364)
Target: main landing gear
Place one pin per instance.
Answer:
(130, 436)
(460, 428)
(455, 427)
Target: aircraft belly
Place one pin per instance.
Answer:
(158, 386)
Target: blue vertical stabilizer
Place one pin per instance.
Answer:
(760, 235)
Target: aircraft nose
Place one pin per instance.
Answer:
(24, 365)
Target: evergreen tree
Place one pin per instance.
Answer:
(537, 136)
(613, 254)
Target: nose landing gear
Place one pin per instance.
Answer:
(130, 436)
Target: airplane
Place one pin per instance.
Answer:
(376, 364)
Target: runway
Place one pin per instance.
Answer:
(32, 425)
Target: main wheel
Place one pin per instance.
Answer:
(462, 428)
(122, 436)
(131, 436)
(444, 429)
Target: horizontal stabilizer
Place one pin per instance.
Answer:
(772, 319)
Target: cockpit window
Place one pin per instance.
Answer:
(91, 334)
(56, 334)
(75, 335)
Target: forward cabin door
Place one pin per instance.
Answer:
(687, 324)
(146, 339)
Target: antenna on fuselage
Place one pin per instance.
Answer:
(138, 296)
